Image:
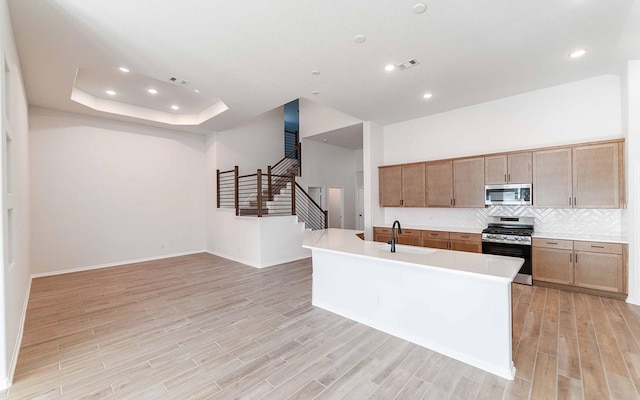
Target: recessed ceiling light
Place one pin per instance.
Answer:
(325, 140)
(196, 90)
(124, 69)
(110, 92)
(360, 39)
(419, 8)
(578, 53)
(175, 107)
(427, 95)
(315, 72)
(389, 67)
(152, 91)
(315, 92)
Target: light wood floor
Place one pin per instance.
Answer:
(200, 326)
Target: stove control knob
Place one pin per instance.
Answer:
(517, 238)
(504, 237)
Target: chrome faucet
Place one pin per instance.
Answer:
(393, 235)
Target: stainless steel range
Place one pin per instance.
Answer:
(510, 236)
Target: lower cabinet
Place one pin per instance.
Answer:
(381, 234)
(553, 261)
(435, 239)
(469, 242)
(411, 237)
(594, 266)
(600, 266)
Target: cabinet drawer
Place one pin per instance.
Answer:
(384, 231)
(553, 243)
(435, 243)
(598, 247)
(466, 245)
(474, 237)
(435, 235)
(411, 232)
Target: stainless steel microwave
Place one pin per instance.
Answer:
(507, 195)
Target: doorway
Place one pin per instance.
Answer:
(336, 207)
(360, 220)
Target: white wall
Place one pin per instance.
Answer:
(259, 242)
(106, 192)
(632, 125)
(373, 138)
(255, 144)
(14, 275)
(316, 118)
(571, 113)
(328, 166)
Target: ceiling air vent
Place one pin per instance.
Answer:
(177, 81)
(408, 64)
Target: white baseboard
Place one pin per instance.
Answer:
(6, 384)
(236, 259)
(286, 260)
(114, 264)
(256, 265)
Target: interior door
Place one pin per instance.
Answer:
(336, 208)
(360, 219)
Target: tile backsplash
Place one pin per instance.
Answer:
(604, 222)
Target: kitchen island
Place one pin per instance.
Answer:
(455, 303)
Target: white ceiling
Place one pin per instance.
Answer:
(349, 137)
(257, 55)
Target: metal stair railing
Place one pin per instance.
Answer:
(255, 194)
(308, 211)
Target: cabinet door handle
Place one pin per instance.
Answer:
(434, 234)
(509, 178)
(505, 177)
(597, 247)
(552, 242)
(570, 257)
(575, 201)
(454, 202)
(466, 236)
(569, 200)
(576, 258)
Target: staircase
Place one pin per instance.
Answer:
(281, 201)
(275, 193)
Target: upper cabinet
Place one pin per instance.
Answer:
(440, 184)
(587, 176)
(468, 182)
(595, 176)
(390, 186)
(458, 183)
(413, 185)
(402, 185)
(552, 178)
(508, 168)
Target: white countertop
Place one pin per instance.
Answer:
(435, 228)
(484, 265)
(546, 235)
(574, 236)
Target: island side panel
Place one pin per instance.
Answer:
(459, 315)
